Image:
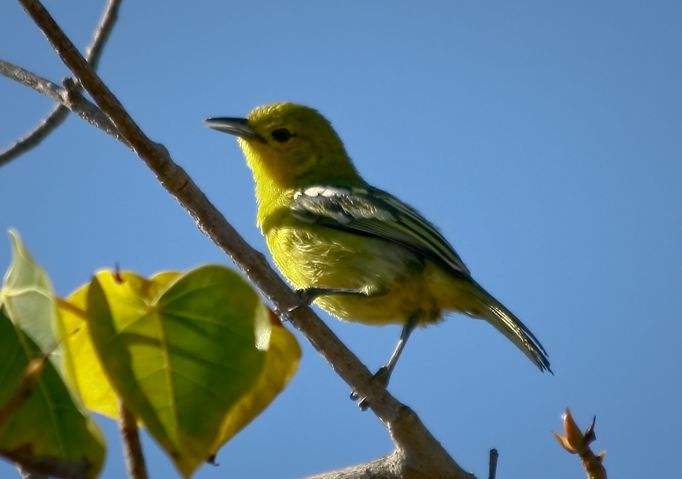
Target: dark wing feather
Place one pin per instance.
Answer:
(377, 213)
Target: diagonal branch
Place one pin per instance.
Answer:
(34, 137)
(418, 453)
(59, 112)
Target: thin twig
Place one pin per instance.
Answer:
(73, 101)
(421, 455)
(102, 32)
(131, 444)
(31, 80)
(59, 112)
(34, 137)
(492, 464)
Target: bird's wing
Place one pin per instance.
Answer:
(377, 213)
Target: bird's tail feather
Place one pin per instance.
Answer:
(508, 324)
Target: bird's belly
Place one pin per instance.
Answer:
(393, 277)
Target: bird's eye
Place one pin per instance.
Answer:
(281, 135)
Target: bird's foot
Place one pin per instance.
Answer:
(305, 298)
(381, 377)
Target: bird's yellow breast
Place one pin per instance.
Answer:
(397, 282)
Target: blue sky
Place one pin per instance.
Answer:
(544, 139)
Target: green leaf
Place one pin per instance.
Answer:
(28, 297)
(84, 370)
(180, 356)
(281, 362)
(48, 426)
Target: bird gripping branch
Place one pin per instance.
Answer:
(355, 250)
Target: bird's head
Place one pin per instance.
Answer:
(288, 144)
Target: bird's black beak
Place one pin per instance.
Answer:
(234, 126)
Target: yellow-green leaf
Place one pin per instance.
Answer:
(180, 357)
(48, 426)
(84, 371)
(281, 362)
(28, 297)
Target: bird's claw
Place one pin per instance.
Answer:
(381, 376)
(305, 299)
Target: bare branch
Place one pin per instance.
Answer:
(34, 137)
(419, 453)
(102, 33)
(388, 467)
(492, 464)
(72, 100)
(59, 112)
(131, 444)
(31, 80)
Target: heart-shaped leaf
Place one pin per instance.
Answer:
(47, 429)
(180, 357)
(282, 357)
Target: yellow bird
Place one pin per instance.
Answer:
(355, 250)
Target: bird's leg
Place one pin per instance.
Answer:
(383, 375)
(308, 295)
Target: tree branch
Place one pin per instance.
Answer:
(102, 32)
(418, 454)
(59, 112)
(388, 467)
(131, 444)
(492, 464)
(63, 95)
(34, 137)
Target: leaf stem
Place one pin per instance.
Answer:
(135, 463)
(71, 308)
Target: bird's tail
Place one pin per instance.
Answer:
(505, 322)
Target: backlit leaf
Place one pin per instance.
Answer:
(180, 357)
(28, 297)
(281, 362)
(47, 426)
(84, 371)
